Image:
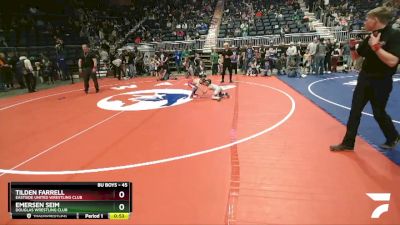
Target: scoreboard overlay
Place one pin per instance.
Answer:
(70, 200)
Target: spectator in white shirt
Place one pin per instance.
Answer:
(291, 53)
(312, 49)
(25, 69)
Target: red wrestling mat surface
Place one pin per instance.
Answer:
(260, 157)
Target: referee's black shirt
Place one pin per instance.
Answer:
(87, 60)
(227, 56)
(372, 66)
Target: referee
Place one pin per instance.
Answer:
(227, 54)
(381, 51)
(87, 67)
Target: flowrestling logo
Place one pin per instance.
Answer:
(145, 100)
(380, 197)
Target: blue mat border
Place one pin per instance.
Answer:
(393, 155)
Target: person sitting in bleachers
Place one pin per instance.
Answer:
(253, 68)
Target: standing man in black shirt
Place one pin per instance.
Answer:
(87, 67)
(328, 57)
(381, 50)
(226, 54)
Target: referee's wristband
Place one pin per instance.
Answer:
(376, 47)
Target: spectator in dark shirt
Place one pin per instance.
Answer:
(328, 57)
(234, 60)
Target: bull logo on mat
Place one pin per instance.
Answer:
(145, 100)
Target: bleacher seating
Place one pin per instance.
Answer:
(348, 15)
(36, 23)
(177, 13)
(262, 19)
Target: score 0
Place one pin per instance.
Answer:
(121, 194)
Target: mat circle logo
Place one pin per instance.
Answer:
(145, 100)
